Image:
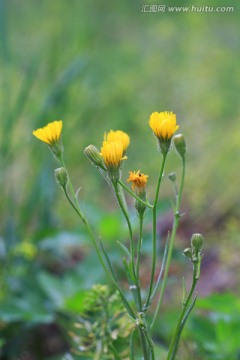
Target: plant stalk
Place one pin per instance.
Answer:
(178, 330)
(139, 246)
(78, 210)
(171, 244)
(144, 344)
(135, 195)
(154, 229)
(132, 250)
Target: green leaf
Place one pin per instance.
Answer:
(76, 303)
(110, 227)
(53, 287)
(25, 310)
(223, 303)
(125, 249)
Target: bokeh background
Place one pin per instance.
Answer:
(101, 65)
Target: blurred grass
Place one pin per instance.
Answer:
(101, 65)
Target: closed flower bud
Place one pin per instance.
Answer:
(94, 156)
(187, 252)
(61, 176)
(197, 242)
(180, 144)
(172, 176)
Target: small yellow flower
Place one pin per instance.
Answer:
(163, 124)
(138, 180)
(119, 136)
(26, 249)
(112, 153)
(50, 134)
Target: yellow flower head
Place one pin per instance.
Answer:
(119, 136)
(26, 249)
(112, 153)
(138, 180)
(163, 124)
(50, 134)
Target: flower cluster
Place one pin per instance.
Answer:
(114, 146)
(109, 161)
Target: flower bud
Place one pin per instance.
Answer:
(197, 242)
(139, 182)
(187, 252)
(180, 144)
(172, 176)
(61, 176)
(94, 156)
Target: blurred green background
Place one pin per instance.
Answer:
(101, 65)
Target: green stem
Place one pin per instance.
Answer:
(116, 190)
(139, 246)
(115, 353)
(144, 344)
(150, 343)
(71, 188)
(134, 195)
(78, 210)
(171, 244)
(131, 192)
(132, 250)
(178, 330)
(161, 269)
(73, 205)
(154, 229)
(131, 345)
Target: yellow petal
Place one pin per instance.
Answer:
(51, 133)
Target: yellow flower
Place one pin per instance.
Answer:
(163, 124)
(112, 153)
(138, 180)
(26, 249)
(50, 134)
(119, 136)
